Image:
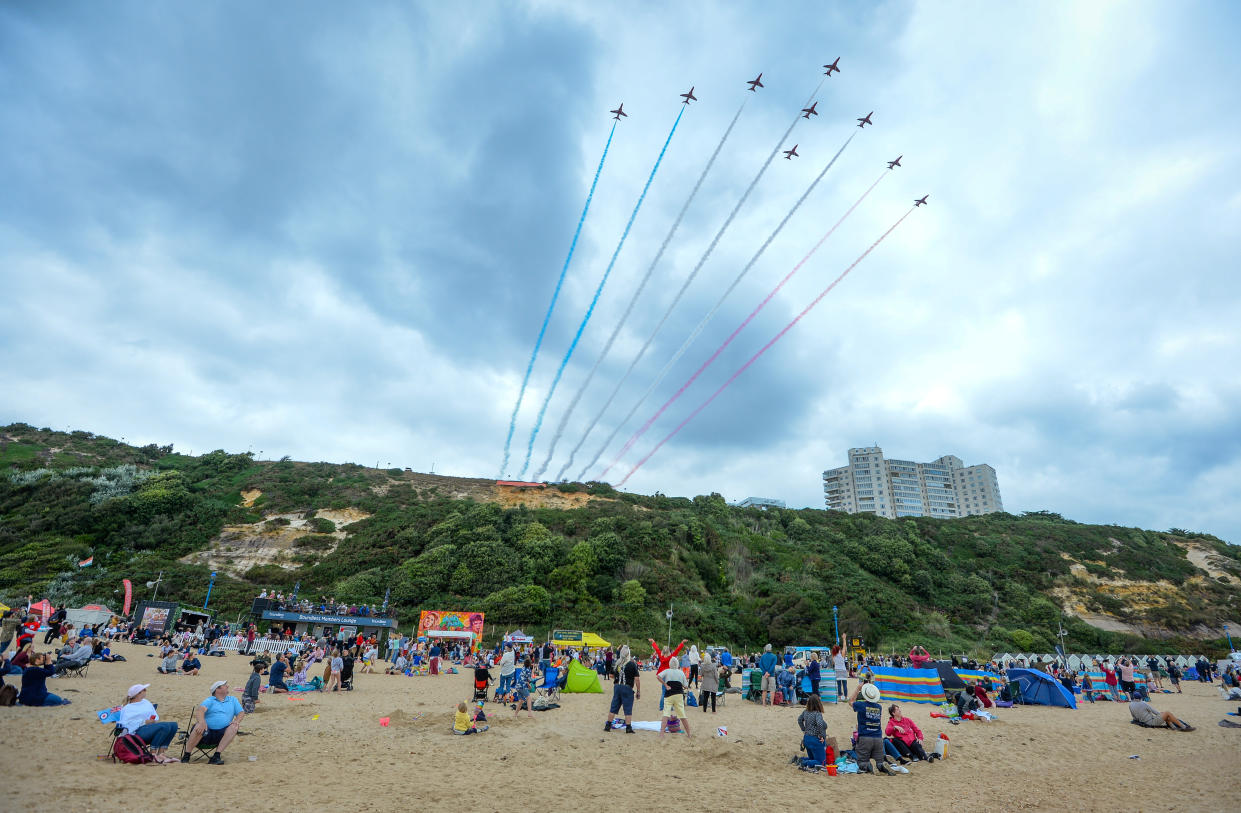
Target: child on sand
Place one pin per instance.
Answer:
(463, 723)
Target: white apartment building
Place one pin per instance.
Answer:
(892, 488)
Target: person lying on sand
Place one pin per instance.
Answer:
(1144, 714)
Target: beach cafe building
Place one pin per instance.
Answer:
(298, 623)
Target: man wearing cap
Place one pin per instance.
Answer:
(216, 721)
(869, 734)
(139, 717)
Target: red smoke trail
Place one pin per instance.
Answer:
(651, 420)
(764, 348)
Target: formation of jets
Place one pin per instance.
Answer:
(806, 112)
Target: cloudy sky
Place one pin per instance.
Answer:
(333, 232)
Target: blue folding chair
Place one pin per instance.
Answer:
(550, 687)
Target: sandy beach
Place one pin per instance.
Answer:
(1031, 758)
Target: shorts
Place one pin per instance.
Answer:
(1127, 686)
(212, 736)
(769, 682)
(622, 695)
(674, 706)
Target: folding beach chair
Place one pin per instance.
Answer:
(72, 670)
(1014, 691)
(550, 687)
(202, 750)
(755, 691)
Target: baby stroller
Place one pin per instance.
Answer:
(481, 681)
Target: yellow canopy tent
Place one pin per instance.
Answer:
(577, 639)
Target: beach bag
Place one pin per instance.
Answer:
(941, 747)
(131, 750)
(8, 695)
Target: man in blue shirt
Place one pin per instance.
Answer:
(767, 665)
(869, 743)
(216, 721)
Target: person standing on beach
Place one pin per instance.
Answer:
(840, 667)
(694, 661)
(767, 665)
(435, 657)
(710, 684)
(813, 673)
(508, 665)
(628, 688)
(673, 681)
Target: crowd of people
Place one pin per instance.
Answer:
(884, 741)
(324, 605)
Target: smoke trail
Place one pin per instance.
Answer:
(589, 311)
(607, 347)
(693, 336)
(764, 348)
(512, 423)
(675, 300)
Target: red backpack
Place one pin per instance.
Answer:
(130, 749)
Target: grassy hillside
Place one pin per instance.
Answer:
(585, 556)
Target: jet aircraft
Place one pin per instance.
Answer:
(807, 112)
(788, 154)
(756, 82)
(833, 67)
(921, 201)
(689, 97)
(865, 120)
(896, 163)
(618, 112)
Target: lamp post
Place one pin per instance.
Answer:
(669, 617)
(836, 623)
(1229, 637)
(210, 584)
(155, 584)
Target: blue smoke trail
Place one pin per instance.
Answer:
(589, 311)
(512, 423)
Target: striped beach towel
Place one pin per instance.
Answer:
(909, 685)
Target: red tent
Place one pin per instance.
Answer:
(43, 609)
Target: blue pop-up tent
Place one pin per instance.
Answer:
(1042, 689)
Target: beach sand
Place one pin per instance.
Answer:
(1031, 758)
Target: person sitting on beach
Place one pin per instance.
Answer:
(784, 682)
(905, 735)
(168, 666)
(275, 679)
(980, 692)
(75, 658)
(814, 733)
(397, 667)
(191, 664)
(463, 723)
(869, 743)
(139, 717)
(250, 695)
(1144, 714)
(216, 721)
(34, 683)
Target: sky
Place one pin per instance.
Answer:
(333, 232)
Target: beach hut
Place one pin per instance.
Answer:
(1041, 689)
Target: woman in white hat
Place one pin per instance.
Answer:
(139, 717)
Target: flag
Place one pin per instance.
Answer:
(87, 562)
(129, 594)
(112, 715)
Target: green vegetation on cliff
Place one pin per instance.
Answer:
(612, 562)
